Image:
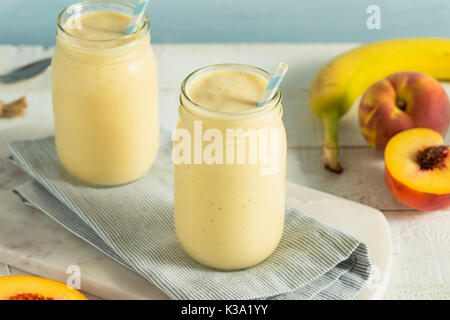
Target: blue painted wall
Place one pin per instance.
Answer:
(33, 21)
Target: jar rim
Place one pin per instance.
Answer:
(268, 106)
(145, 28)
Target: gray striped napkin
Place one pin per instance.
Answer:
(134, 225)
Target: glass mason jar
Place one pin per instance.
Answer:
(105, 96)
(229, 214)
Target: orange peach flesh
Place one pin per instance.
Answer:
(401, 162)
(36, 288)
(424, 185)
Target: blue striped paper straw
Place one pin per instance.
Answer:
(273, 84)
(137, 16)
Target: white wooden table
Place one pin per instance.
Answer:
(421, 264)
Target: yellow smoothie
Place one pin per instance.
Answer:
(105, 95)
(229, 215)
(227, 90)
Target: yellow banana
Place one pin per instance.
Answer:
(338, 84)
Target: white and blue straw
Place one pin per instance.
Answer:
(273, 84)
(137, 16)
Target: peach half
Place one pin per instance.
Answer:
(417, 169)
(36, 288)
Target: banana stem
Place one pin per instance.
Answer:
(330, 148)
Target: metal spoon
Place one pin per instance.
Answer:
(25, 72)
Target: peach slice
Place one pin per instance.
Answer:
(417, 169)
(36, 288)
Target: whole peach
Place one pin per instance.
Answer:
(402, 101)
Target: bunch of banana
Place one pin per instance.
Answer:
(338, 84)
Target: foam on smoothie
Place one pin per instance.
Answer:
(101, 25)
(227, 90)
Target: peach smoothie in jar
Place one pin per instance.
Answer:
(229, 194)
(105, 94)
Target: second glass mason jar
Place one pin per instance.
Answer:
(229, 209)
(105, 94)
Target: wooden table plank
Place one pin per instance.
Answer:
(421, 259)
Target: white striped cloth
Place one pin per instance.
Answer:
(134, 225)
